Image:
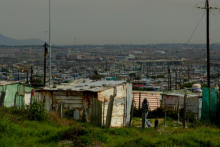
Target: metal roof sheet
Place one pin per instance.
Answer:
(87, 85)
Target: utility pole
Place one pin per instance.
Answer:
(207, 42)
(139, 101)
(45, 61)
(207, 8)
(184, 113)
(176, 79)
(31, 79)
(18, 75)
(27, 75)
(208, 52)
(169, 79)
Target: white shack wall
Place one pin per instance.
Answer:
(128, 104)
(121, 105)
(193, 104)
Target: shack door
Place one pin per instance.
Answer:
(95, 112)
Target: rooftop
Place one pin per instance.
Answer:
(181, 93)
(86, 85)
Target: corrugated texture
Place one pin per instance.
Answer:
(118, 113)
(13, 95)
(152, 97)
(87, 85)
(97, 104)
(128, 103)
(205, 103)
(95, 112)
(121, 106)
(11, 91)
(27, 98)
(173, 102)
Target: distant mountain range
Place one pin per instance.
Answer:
(14, 42)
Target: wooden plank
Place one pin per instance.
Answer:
(109, 112)
(69, 101)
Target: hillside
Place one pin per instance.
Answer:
(17, 130)
(13, 42)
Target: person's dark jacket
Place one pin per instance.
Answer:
(145, 106)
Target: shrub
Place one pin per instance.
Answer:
(37, 111)
(137, 112)
(158, 113)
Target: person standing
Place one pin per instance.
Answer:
(145, 110)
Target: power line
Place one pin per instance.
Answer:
(196, 27)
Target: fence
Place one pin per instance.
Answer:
(210, 109)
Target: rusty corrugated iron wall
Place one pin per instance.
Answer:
(98, 106)
(152, 97)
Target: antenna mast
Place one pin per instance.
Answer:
(50, 50)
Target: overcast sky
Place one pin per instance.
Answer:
(108, 21)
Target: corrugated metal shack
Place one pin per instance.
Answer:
(105, 103)
(175, 100)
(152, 97)
(14, 94)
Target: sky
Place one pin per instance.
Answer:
(109, 21)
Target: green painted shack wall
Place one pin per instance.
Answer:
(14, 92)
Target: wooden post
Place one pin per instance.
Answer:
(31, 79)
(139, 101)
(132, 112)
(165, 118)
(143, 120)
(2, 98)
(156, 124)
(110, 109)
(169, 80)
(27, 75)
(45, 61)
(109, 112)
(165, 113)
(18, 75)
(15, 103)
(178, 110)
(103, 113)
(61, 110)
(175, 79)
(184, 114)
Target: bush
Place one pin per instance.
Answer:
(37, 111)
(158, 113)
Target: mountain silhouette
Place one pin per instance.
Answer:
(4, 40)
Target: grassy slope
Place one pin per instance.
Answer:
(16, 130)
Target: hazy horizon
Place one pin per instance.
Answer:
(109, 22)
